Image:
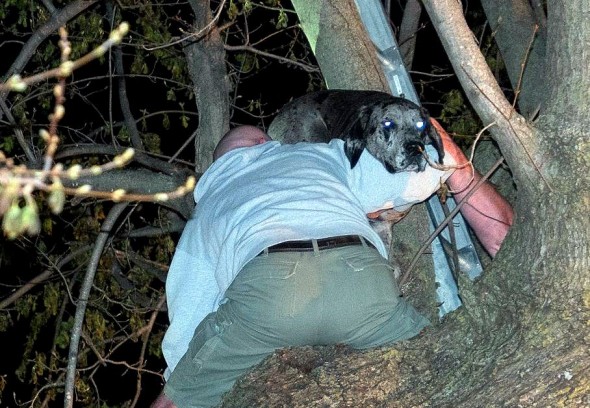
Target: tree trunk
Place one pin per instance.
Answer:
(334, 30)
(206, 63)
(521, 338)
(522, 43)
(408, 31)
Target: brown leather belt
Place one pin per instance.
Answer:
(324, 243)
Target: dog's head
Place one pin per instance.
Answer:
(394, 131)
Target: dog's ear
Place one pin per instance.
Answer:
(355, 136)
(432, 136)
(436, 142)
(353, 149)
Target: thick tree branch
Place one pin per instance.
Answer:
(139, 181)
(140, 158)
(515, 137)
(76, 332)
(408, 30)
(206, 64)
(128, 118)
(49, 6)
(130, 121)
(514, 24)
(324, 24)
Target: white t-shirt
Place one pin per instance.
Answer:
(255, 197)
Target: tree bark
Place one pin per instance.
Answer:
(206, 62)
(336, 33)
(521, 337)
(408, 30)
(522, 43)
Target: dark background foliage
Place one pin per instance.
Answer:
(35, 329)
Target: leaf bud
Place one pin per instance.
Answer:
(11, 222)
(66, 68)
(15, 83)
(59, 112)
(117, 195)
(57, 197)
(124, 158)
(86, 188)
(30, 218)
(74, 171)
(44, 135)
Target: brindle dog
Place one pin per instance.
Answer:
(393, 130)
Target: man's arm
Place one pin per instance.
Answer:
(488, 213)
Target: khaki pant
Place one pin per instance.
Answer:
(345, 295)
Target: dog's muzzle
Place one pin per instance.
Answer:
(411, 158)
(414, 148)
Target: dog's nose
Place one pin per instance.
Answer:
(414, 148)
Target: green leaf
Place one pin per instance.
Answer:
(184, 119)
(170, 95)
(7, 144)
(232, 11)
(283, 20)
(51, 298)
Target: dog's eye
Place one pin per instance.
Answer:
(420, 125)
(388, 124)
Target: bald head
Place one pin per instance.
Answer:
(241, 136)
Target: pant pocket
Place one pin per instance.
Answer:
(366, 259)
(207, 337)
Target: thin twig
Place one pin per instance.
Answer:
(448, 219)
(146, 336)
(76, 332)
(305, 67)
(30, 154)
(514, 132)
(523, 65)
(42, 277)
(192, 36)
(446, 167)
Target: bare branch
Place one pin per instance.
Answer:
(448, 219)
(146, 336)
(192, 37)
(57, 20)
(42, 277)
(49, 6)
(16, 83)
(305, 67)
(141, 158)
(130, 121)
(408, 30)
(17, 132)
(76, 332)
(514, 136)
